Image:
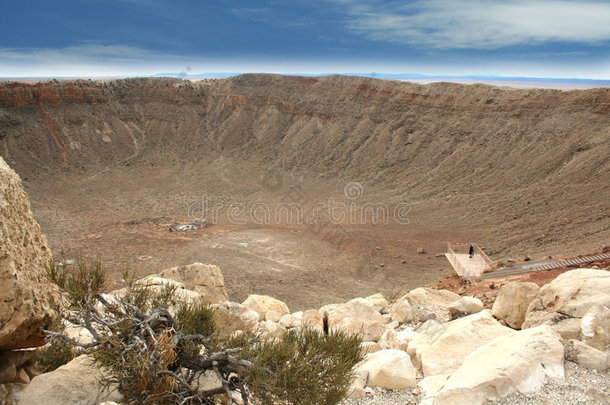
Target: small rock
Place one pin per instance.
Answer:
(356, 390)
(595, 327)
(465, 306)
(588, 356)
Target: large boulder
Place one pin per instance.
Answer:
(519, 361)
(356, 316)
(441, 348)
(390, 369)
(264, 303)
(570, 296)
(512, 302)
(206, 279)
(75, 383)
(573, 293)
(231, 317)
(28, 299)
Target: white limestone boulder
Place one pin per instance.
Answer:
(356, 316)
(587, 356)
(230, 317)
(573, 293)
(75, 383)
(264, 303)
(442, 348)
(430, 297)
(206, 279)
(520, 361)
(389, 369)
(465, 306)
(512, 302)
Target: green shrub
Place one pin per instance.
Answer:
(306, 367)
(80, 282)
(195, 318)
(54, 355)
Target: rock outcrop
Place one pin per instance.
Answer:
(28, 299)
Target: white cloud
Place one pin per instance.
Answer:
(85, 51)
(85, 58)
(480, 24)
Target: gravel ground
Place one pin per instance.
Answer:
(581, 386)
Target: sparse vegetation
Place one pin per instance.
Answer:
(53, 356)
(305, 367)
(156, 348)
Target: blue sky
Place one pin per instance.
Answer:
(535, 38)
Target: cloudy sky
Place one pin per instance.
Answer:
(533, 38)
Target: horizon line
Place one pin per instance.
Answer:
(362, 74)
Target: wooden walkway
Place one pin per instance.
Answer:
(527, 267)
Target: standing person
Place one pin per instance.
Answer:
(471, 250)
